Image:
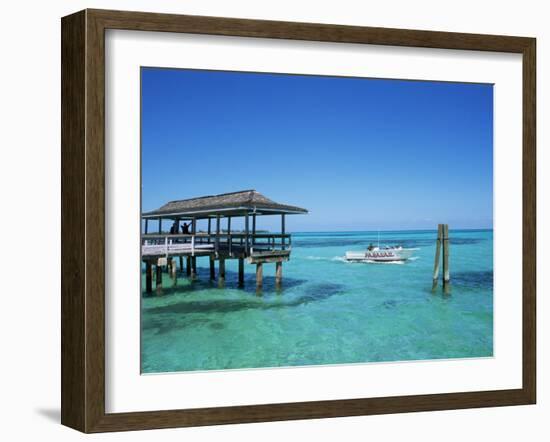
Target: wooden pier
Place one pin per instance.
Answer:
(164, 250)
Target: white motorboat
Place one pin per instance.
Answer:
(380, 254)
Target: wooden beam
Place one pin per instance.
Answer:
(188, 266)
(160, 226)
(209, 228)
(193, 267)
(181, 264)
(146, 226)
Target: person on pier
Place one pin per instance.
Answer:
(175, 227)
(185, 229)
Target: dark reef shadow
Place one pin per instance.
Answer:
(312, 293)
(474, 280)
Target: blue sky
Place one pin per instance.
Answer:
(359, 154)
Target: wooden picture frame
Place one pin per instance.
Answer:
(83, 220)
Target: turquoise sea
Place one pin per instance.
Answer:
(328, 311)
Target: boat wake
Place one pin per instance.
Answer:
(368, 261)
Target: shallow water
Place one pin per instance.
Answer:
(328, 311)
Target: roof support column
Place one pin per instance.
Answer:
(229, 241)
(160, 226)
(217, 234)
(146, 225)
(246, 244)
(253, 229)
(283, 230)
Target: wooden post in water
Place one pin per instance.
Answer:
(188, 266)
(174, 271)
(193, 267)
(278, 273)
(159, 279)
(181, 264)
(259, 275)
(212, 268)
(221, 270)
(148, 278)
(446, 271)
(437, 256)
(241, 272)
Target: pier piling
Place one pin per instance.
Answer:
(221, 270)
(241, 272)
(259, 275)
(174, 272)
(159, 279)
(148, 278)
(188, 266)
(193, 267)
(212, 268)
(278, 273)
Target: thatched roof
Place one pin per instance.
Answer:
(225, 204)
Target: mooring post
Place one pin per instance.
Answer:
(212, 268)
(169, 266)
(181, 264)
(148, 278)
(241, 272)
(259, 275)
(437, 255)
(278, 273)
(446, 271)
(159, 279)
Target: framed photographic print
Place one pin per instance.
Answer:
(270, 220)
